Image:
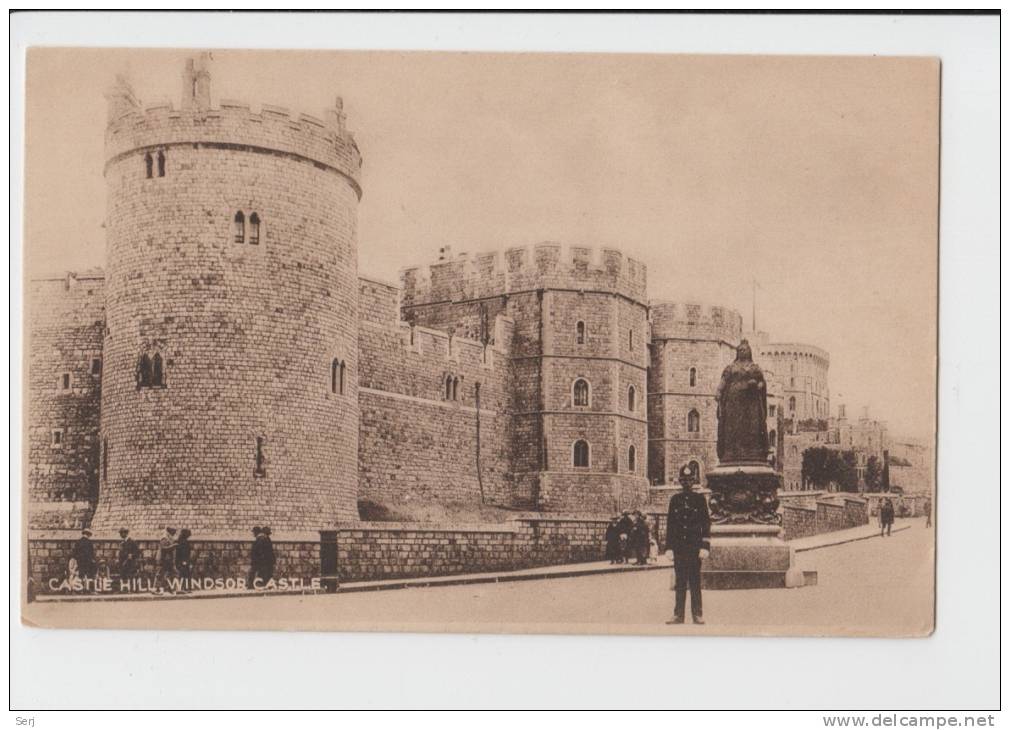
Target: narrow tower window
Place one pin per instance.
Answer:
(342, 377)
(448, 387)
(157, 371)
(631, 398)
(631, 339)
(254, 230)
(771, 438)
(580, 392)
(239, 227)
(580, 453)
(693, 421)
(144, 371)
(105, 460)
(792, 405)
(96, 366)
(65, 381)
(692, 377)
(57, 438)
(261, 468)
(161, 163)
(580, 333)
(334, 375)
(149, 165)
(455, 388)
(631, 458)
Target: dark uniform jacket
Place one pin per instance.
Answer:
(687, 523)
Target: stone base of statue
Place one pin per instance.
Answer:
(747, 546)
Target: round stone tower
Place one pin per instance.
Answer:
(229, 393)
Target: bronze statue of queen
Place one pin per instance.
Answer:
(743, 486)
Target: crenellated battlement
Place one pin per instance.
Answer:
(795, 349)
(546, 265)
(133, 126)
(693, 321)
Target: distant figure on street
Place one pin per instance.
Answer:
(165, 560)
(613, 538)
(84, 555)
(269, 558)
(184, 559)
(624, 527)
(688, 526)
(640, 539)
(886, 517)
(128, 559)
(255, 557)
(927, 507)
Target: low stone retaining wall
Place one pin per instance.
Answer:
(381, 550)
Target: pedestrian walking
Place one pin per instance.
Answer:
(165, 563)
(640, 539)
(83, 554)
(184, 560)
(613, 540)
(269, 558)
(688, 527)
(927, 507)
(624, 527)
(128, 559)
(886, 517)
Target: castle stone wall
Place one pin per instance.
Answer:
(417, 442)
(66, 322)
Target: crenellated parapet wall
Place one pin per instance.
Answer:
(692, 321)
(232, 125)
(773, 350)
(529, 268)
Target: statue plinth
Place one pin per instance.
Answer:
(744, 493)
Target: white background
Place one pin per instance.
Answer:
(958, 667)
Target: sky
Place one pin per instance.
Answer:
(815, 177)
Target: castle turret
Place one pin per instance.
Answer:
(579, 357)
(691, 344)
(229, 392)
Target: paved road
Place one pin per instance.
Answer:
(881, 586)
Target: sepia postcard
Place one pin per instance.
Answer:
(480, 342)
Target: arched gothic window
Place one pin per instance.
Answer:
(580, 392)
(771, 438)
(455, 388)
(692, 377)
(792, 405)
(161, 163)
(254, 230)
(631, 398)
(149, 165)
(580, 453)
(580, 333)
(336, 376)
(631, 458)
(240, 227)
(693, 421)
(448, 387)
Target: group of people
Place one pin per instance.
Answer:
(173, 561)
(629, 538)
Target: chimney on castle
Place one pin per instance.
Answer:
(196, 83)
(336, 119)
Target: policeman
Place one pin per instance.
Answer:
(687, 537)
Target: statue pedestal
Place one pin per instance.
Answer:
(747, 546)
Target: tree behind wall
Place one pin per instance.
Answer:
(823, 467)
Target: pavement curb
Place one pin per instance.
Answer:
(849, 539)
